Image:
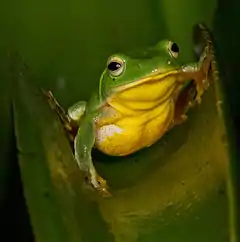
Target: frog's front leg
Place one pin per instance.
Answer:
(76, 111)
(199, 72)
(83, 144)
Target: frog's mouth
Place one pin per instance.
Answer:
(150, 79)
(150, 90)
(155, 88)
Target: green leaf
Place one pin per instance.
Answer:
(172, 191)
(51, 179)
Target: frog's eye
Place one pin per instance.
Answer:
(173, 49)
(115, 66)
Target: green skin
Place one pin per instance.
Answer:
(162, 56)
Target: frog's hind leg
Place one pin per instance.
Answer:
(83, 144)
(69, 124)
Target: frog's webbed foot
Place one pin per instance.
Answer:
(200, 71)
(98, 183)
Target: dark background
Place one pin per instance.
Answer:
(227, 36)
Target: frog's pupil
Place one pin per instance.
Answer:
(113, 66)
(174, 48)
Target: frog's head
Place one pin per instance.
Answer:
(123, 72)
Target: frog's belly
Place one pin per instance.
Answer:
(133, 133)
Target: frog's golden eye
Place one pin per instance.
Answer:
(173, 49)
(115, 66)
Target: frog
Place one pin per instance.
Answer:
(138, 100)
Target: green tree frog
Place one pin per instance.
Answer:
(135, 104)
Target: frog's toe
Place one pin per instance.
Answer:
(101, 186)
(199, 94)
(105, 192)
(183, 118)
(198, 99)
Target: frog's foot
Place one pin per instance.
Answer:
(182, 119)
(98, 183)
(199, 94)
